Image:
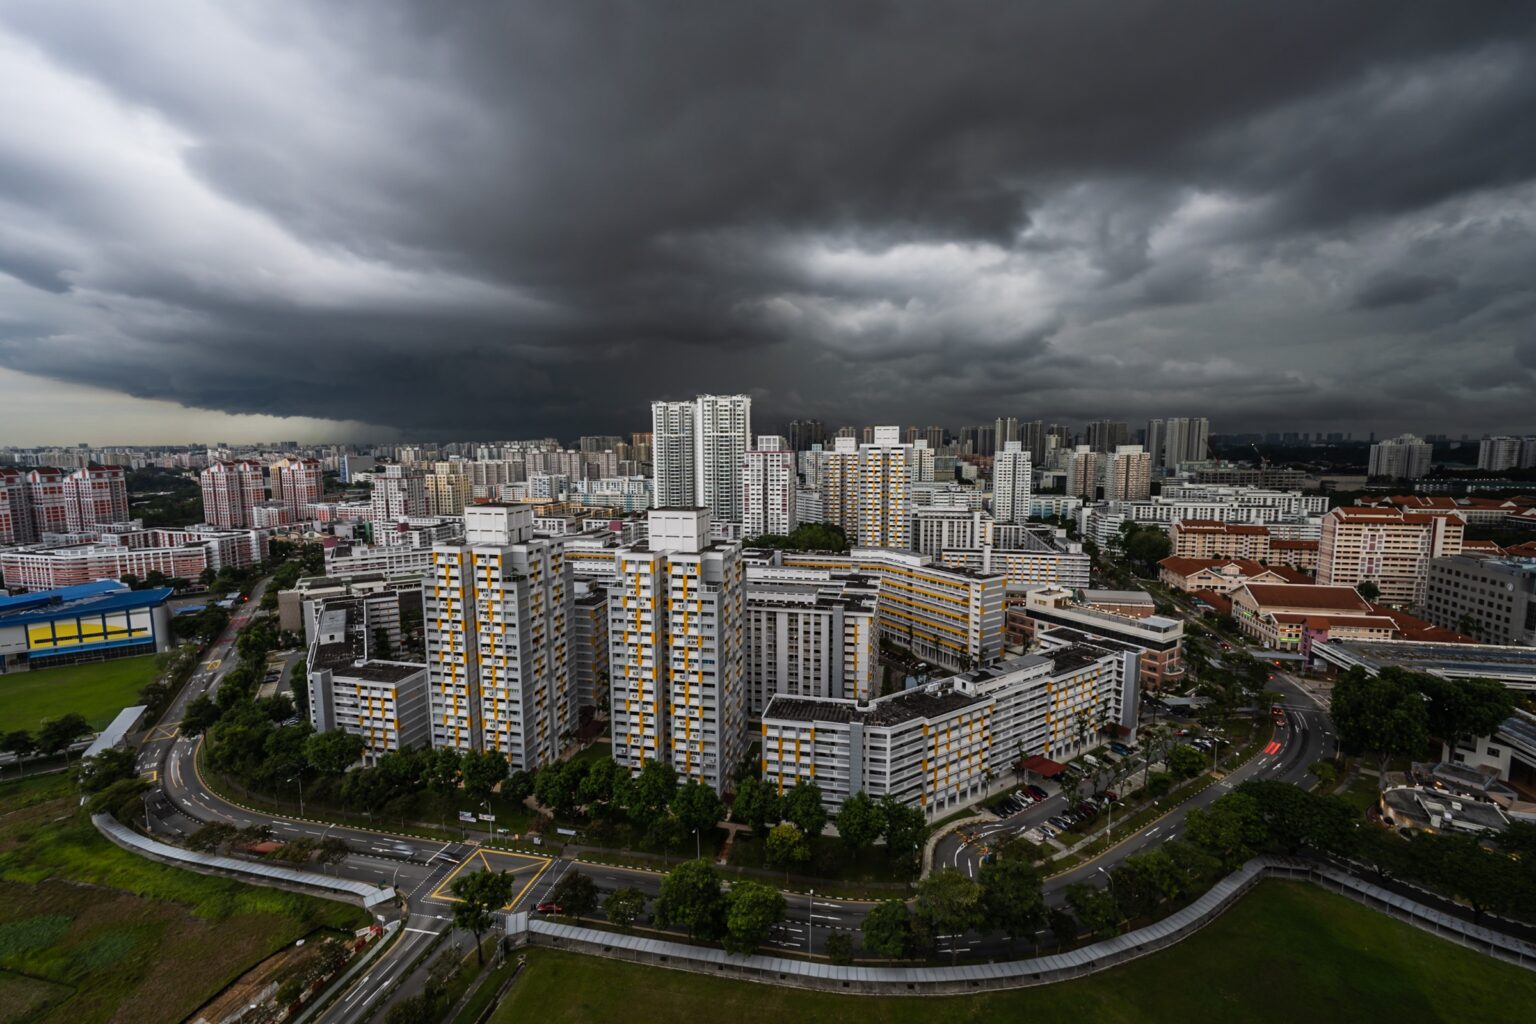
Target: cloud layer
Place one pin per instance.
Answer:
(506, 219)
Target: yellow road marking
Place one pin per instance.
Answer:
(521, 860)
(211, 665)
(163, 732)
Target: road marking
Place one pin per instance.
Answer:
(421, 931)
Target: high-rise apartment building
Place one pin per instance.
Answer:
(1082, 465)
(498, 611)
(449, 488)
(804, 433)
(768, 482)
(675, 630)
(230, 491)
(673, 453)
(1401, 458)
(840, 487)
(810, 633)
(298, 483)
(1011, 483)
(1032, 437)
(95, 495)
(1386, 547)
(724, 431)
(935, 437)
(1006, 429)
(884, 519)
(698, 448)
(15, 510)
(1104, 436)
(1498, 453)
(399, 492)
(924, 461)
(1184, 439)
(1128, 474)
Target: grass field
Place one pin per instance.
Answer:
(1287, 952)
(89, 932)
(98, 691)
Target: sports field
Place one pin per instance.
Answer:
(98, 691)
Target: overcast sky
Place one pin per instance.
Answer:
(504, 220)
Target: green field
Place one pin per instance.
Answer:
(1287, 952)
(90, 932)
(98, 691)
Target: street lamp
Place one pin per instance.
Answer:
(810, 925)
(1112, 895)
(299, 778)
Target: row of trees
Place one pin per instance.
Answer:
(54, 738)
(1394, 713)
(805, 537)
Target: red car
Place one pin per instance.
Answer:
(549, 907)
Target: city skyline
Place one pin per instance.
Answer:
(461, 238)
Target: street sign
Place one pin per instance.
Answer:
(487, 817)
(466, 816)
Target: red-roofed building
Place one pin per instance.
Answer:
(1210, 538)
(1275, 614)
(1298, 554)
(1223, 574)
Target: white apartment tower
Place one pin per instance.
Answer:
(884, 474)
(768, 482)
(676, 624)
(1128, 474)
(840, 487)
(673, 453)
(399, 492)
(1185, 439)
(1010, 483)
(498, 610)
(1401, 458)
(723, 428)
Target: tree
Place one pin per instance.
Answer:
(1368, 590)
(210, 837)
(624, 906)
(20, 743)
(200, 714)
(519, 786)
(57, 735)
(1462, 708)
(383, 649)
(1094, 908)
(653, 790)
(442, 771)
(480, 895)
(697, 807)
(859, 822)
(1295, 819)
(1184, 761)
(803, 806)
(757, 804)
(1326, 772)
(298, 685)
(576, 893)
(482, 772)
(949, 903)
(1228, 829)
(905, 827)
(1145, 881)
(691, 897)
(332, 850)
(839, 948)
(1011, 898)
(786, 845)
(604, 783)
(332, 753)
(95, 774)
(1383, 714)
(558, 787)
(1146, 547)
(752, 911)
(887, 930)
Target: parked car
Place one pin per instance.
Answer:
(550, 907)
(1039, 793)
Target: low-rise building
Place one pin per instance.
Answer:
(1223, 575)
(1208, 538)
(948, 744)
(89, 622)
(384, 702)
(1490, 598)
(1280, 616)
(1159, 639)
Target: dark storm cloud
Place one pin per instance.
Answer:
(504, 219)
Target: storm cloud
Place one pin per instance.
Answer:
(506, 219)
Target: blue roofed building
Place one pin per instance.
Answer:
(87, 622)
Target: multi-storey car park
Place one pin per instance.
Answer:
(944, 746)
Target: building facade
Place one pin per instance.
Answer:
(768, 487)
(810, 633)
(1490, 598)
(1386, 547)
(1011, 483)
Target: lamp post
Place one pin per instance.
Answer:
(299, 778)
(810, 925)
